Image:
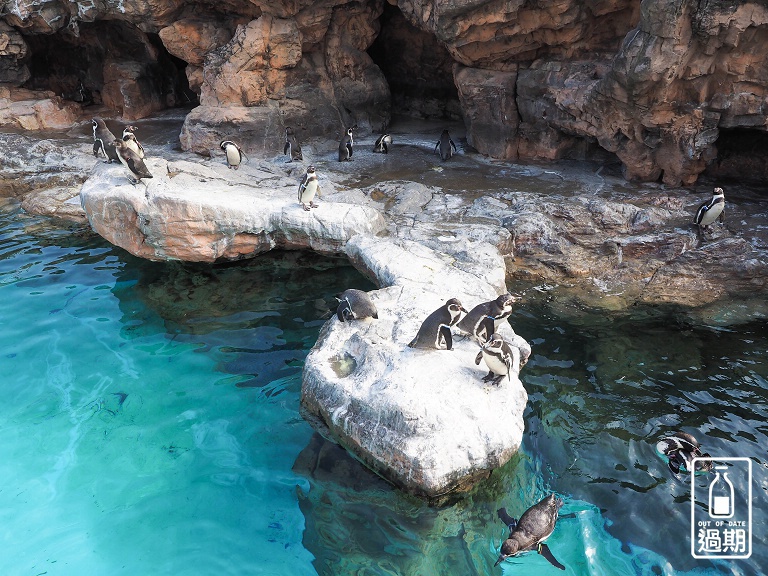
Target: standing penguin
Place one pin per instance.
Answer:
(711, 211)
(535, 525)
(485, 319)
(446, 146)
(308, 188)
(355, 305)
(130, 138)
(435, 331)
(131, 160)
(103, 141)
(234, 153)
(382, 143)
(292, 147)
(501, 359)
(345, 146)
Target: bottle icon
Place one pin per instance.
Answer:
(721, 495)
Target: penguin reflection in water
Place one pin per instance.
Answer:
(435, 331)
(234, 153)
(308, 188)
(103, 141)
(446, 146)
(345, 146)
(681, 448)
(710, 211)
(355, 305)
(501, 358)
(131, 160)
(535, 525)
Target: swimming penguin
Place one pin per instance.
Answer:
(308, 188)
(446, 146)
(130, 138)
(681, 448)
(485, 319)
(292, 147)
(382, 143)
(501, 359)
(131, 160)
(535, 525)
(711, 211)
(234, 153)
(435, 331)
(103, 141)
(355, 305)
(345, 146)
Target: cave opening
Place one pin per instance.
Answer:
(742, 154)
(418, 69)
(110, 64)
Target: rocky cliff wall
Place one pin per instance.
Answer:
(653, 82)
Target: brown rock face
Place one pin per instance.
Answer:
(13, 50)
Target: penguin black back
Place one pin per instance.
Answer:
(435, 331)
(292, 147)
(445, 145)
(535, 525)
(382, 144)
(131, 160)
(103, 140)
(355, 305)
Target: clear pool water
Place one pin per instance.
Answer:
(150, 425)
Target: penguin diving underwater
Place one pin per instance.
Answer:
(711, 210)
(501, 358)
(292, 147)
(136, 167)
(435, 331)
(345, 146)
(485, 319)
(446, 146)
(130, 138)
(308, 188)
(234, 153)
(681, 448)
(535, 525)
(355, 305)
(103, 141)
(382, 143)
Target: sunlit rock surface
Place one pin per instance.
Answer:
(199, 213)
(423, 419)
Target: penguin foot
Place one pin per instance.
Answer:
(313, 205)
(488, 377)
(306, 208)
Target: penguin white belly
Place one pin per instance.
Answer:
(712, 214)
(233, 156)
(495, 364)
(135, 147)
(309, 192)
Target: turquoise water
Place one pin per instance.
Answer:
(150, 426)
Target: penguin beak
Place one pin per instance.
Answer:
(500, 560)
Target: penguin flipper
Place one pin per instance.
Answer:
(478, 358)
(437, 145)
(384, 145)
(674, 466)
(342, 310)
(97, 145)
(286, 148)
(136, 166)
(545, 551)
(721, 218)
(349, 149)
(453, 145)
(488, 326)
(506, 518)
(445, 332)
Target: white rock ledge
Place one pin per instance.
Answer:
(193, 212)
(423, 419)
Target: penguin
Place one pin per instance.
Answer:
(292, 147)
(501, 359)
(130, 138)
(308, 188)
(485, 319)
(131, 160)
(681, 448)
(103, 141)
(355, 305)
(446, 146)
(435, 331)
(235, 154)
(382, 143)
(345, 146)
(711, 211)
(535, 525)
